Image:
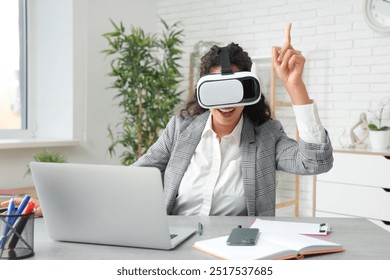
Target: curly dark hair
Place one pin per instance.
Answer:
(258, 113)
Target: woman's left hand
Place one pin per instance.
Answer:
(18, 200)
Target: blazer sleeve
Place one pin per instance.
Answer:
(159, 153)
(301, 157)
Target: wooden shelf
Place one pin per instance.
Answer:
(282, 104)
(367, 151)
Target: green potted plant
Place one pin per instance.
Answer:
(379, 133)
(47, 156)
(147, 76)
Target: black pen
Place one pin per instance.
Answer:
(20, 224)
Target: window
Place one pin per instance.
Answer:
(13, 107)
(56, 73)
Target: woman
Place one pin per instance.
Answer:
(223, 161)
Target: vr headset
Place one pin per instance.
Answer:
(228, 89)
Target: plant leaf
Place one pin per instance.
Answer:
(372, 127)
(146, 77)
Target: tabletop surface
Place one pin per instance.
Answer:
(360, 238)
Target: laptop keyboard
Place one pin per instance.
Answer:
(173, 236)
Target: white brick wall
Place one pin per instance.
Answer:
(348, 64)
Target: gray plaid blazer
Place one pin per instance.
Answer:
(265, 149)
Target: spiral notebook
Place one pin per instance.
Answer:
(292, 227)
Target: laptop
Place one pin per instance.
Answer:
(103, 204)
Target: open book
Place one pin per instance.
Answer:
(270, 246)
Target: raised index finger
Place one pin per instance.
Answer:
(287, 36)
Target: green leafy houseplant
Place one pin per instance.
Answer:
(147, 76)
(47, 156)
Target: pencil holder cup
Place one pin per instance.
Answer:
(17, 236)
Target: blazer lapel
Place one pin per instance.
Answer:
(182, 154)
(248, 164)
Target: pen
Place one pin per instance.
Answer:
(20, 208)
(22, 205)
(20, 224)
(8, 222)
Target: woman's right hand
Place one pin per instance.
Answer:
(18, 200)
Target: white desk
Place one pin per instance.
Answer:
(360, 238)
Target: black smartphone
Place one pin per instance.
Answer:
(243, 237)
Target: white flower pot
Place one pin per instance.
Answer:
(379, 139)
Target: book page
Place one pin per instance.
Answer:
(301, 243)
(262, 250)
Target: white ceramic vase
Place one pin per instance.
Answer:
(379, 139)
